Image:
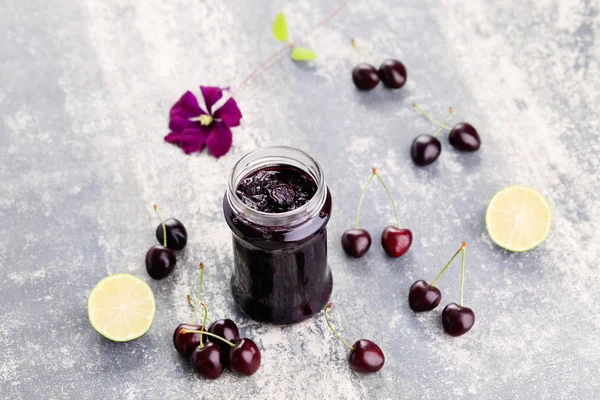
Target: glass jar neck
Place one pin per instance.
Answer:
(273, 156)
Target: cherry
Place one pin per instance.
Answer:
(186, 343)
(356, 242)
(392, 74)
(464, 137)
(173, 229)
(365, 76)
(160, 261)
(244, 357)
(423, 297)
(226, 329)
(456, 319)
(364, 356)
(425, 149)
(207, 360)
(396, 241)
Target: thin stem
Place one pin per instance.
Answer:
(184, 331)
(333, 330)
(390, 196)
(162, 221)
(191, 301)
(433, 121)
(362, 196)
(198, 296)
(462, 273)
(203, 323)
(273, 56)
(446, 267)
(451, 110)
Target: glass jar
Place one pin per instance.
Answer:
(280, 274)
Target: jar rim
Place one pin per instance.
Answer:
(277, 155)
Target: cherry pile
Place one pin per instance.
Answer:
(160, 260)
(364, 356)
(212, 350)
(395, 240)
(391, 72)
(425, 149)
(422, 296)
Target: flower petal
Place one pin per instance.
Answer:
(229, 113)
(219, 140)
(187, 106)
(190, 140)
(211, 95)
(179, 124)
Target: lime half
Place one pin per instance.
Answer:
(121, 307)
(518, 218)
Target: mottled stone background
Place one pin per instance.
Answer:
(85, 89)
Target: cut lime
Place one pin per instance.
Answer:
(121, 307)
(518, 218)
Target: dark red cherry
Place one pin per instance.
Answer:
(207, 361)
(226, 329)
(185, 343)
(176, 234)
(244, 358)
(392, 74)
(457, 320)
(425, 149)
(396, 241)
(160, 261)
(365, 76)
(356, 242)
(464, 137)
(423, 297)
(366, 356)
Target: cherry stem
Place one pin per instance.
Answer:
(198, 296)
(462, 273)
(191, 301)
(276, 54)
(446, 267)
(162, 221)
(333, 330)
(389, 195)
(362, 196)
(433, 121)
(183, 331)
(203, 323)
(451, 110)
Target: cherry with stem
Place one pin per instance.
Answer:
(160, 260)
(171, 232)
(457, 319)
(364, 75)
(364, 356)
(356, 242)
(185, 344)
(425, 149)
(423, 296)
(206, 359)
(395, 240)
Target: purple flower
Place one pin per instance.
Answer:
(192, 128)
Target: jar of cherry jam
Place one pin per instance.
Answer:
(277, 206)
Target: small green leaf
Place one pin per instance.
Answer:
(303, 54)
(280, 30)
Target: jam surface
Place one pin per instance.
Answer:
(276, 189)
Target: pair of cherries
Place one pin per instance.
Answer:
(160, 259)
(395, 240)
(425, 149)
(391, 72)
(422, 296)
(211, 350)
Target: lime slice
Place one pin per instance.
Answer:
(518, 218)
(121, 307)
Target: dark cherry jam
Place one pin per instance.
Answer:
(277, 189)
(280, 272)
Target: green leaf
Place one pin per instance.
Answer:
(280, 30)
(303, 54)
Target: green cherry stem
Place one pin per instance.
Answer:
(447, 265)
(389, 195)
(191, 301)
(462, 273)
(333, 330)
(362, 196)
(183, 331)
(451, 110)
(162, 221)
(197, 304)
(203, 323)
(433, 121)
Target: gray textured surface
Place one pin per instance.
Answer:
(85, 88)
